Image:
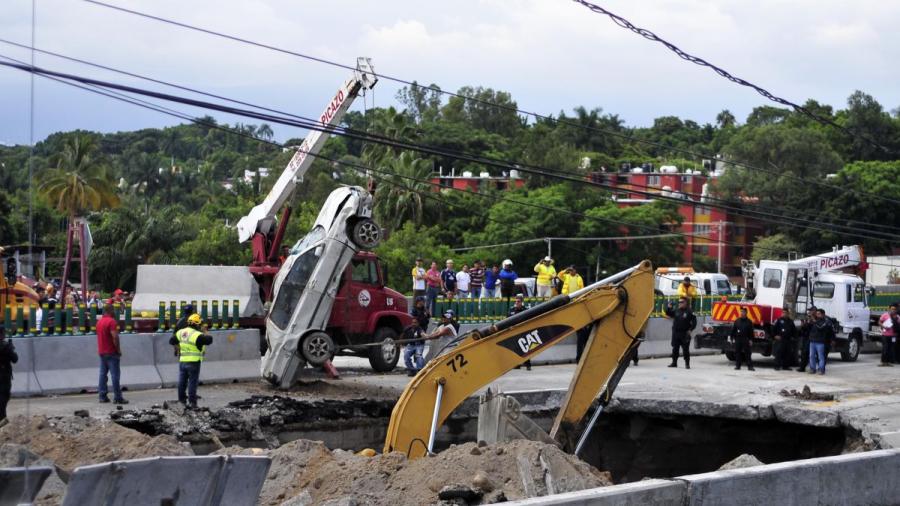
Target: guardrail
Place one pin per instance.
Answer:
(491, 309)
(41, 320)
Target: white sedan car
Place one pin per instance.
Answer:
(306, 285)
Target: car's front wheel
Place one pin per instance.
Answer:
(384, 357)
(366, 233)
(317, 348)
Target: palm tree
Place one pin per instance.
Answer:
(401, 195)
(78, 183)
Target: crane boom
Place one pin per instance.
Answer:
(261, 218)
(617, 308)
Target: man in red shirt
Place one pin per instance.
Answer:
(110, 352)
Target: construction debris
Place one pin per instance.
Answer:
(807, 394)
(306, 472)
(742, 461)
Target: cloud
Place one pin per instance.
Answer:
(551, 55)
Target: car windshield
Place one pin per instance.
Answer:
(295, 282)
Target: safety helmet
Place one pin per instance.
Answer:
(507, 263)
(194, 319)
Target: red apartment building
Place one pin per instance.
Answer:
(719, 234)
(466, 180)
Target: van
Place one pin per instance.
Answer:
(707, 283)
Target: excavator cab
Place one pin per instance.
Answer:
(616, 309)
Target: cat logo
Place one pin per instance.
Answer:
(533, 341)
(530, 341)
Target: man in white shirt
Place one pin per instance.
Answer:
(442, 336)
(462, 282)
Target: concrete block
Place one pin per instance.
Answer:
(647, 492)
(234, 355)
(157, 283)
(25, 382)
(71, 364)
(856, 478)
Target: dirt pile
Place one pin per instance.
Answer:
(259, 418)
(70, 442)
(306, 472)
(807, 394)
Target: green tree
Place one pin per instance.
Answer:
(773, 247)
(401, 195)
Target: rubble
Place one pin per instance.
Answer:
(741, 461)
(807, 394)
(306, 472)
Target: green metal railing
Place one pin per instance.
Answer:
(494, 309)
(24, 322)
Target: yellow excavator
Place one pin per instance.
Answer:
(617, 308)
(15, 295)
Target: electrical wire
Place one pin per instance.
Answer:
(351, 133)
(647, 34)
(849, 227)
(437, 89)
(44, 73)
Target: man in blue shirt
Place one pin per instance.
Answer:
(490, 281)
(448, 280)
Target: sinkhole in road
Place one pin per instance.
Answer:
(631, 446)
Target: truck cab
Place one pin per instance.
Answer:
(367, 312)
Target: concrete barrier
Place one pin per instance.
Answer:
(234, 355)
(854, 478)
(71, 363)
(647, 492)
(166, 283)
(24, 383)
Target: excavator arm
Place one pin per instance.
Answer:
(617, 307)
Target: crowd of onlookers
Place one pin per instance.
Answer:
(485, 280)
(49, 294)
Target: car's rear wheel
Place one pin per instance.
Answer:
(317, 348)
(383, 358)
(366, 233)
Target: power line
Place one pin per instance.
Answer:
(347, 132)
(436, 89)
(546, 239)
(647, 34)
(756, 212)
(235, 132)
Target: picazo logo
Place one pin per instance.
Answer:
(828, 263)
(530, 341)
(332, 108)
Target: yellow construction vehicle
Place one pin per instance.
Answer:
(15, 295)
(617, 307)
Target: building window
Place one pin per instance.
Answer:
(823, 290)
(701, 229)
(652, 180)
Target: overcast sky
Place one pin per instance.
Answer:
(551, 55)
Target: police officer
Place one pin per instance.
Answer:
(8, 357)
(741, 332)
(785, 332)
(683, 322)
(805, 327)
(191, 342)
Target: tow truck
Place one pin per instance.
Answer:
(830, 281)
(616, 308)
(329, 296)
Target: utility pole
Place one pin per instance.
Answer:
(549, 247)
(721, 249)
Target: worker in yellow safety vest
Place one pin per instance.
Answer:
(545, 274)
(571, 280)
(192, 342)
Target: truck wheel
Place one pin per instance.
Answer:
(317, 348)
(854, 343)
(366, 233)
(384, 358)
(730, 355)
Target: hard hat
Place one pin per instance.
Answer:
(507, 262)
(548, 259)
(194, 319)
